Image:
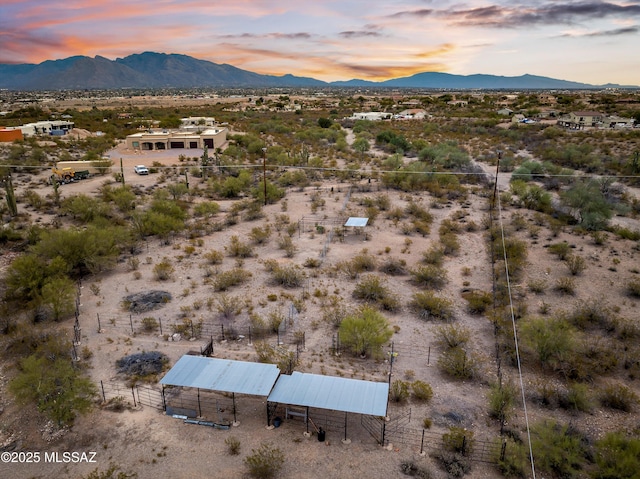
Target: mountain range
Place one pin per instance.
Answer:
(161, 70)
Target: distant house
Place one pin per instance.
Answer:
(371, 116)
(411, 114)
(197, 121)
(577, 120)
(619, 122)
(458, 103)
(505, 112)
(10, 134)
(47, 127)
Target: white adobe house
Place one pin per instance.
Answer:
(371, 116)
(197, 122)
(49, 127)
(180, 139)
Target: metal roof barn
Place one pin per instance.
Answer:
(223, 375)
(330, 392)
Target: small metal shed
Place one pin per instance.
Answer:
(330, 392)
(223, 375)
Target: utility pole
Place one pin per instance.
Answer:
(264, 173)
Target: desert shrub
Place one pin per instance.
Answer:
(576, 264)
(334, 312)
(566, 286)
(593, 314)
(372, 289)
(633, 288)
(265, 462)
(365, 332)
(286, 243)
(214, 257)
(393, 267)
(450, 244)
(618, 396)
(227, 307)
(228, 279)
(429, 306)
(363, 262)
(275, 319)
(312, 263)
(163, 270)
(421, 390)
(551, 340)
(537, 286)
(149, 324)
(399, 391)
(233, 445)
(457, 363)
(617, 456)
(429, 276)
(559, 450)
(577, 398)
(458, 440)
(452, 336)
(433, 256)
(561, 250)
(410, 468)
(287, 276)
(478, 301)
(238, 249)
(501, 401)
(260, 235)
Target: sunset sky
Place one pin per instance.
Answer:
(589, 41)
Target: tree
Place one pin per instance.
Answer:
(365, 332)
(587, 202)
(58, 389)
(617, 456)
(324, 122)
(58, 294)
(361, 145)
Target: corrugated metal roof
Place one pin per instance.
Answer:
(358, 222)
(222, 375)
(330, 392)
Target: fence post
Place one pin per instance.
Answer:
(503, 450)
(131, 322)
(429, 356)
(192, 332)
(133, 393)
(99, 328)
(160, 321)
(464, 445)
(104, 398)
(422, 443)
(222, 327)
(250, 339)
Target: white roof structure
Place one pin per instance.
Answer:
(222, 375)
(357, 222)
(330, 392)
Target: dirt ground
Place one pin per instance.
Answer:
(145, 441)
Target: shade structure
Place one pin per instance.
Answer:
(330, 392)
(357, 222)
(222, 375)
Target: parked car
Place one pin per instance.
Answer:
(141, 170)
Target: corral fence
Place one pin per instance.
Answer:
(212, 330)
(134, 396)
(397, 431)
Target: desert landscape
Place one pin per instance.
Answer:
(454, 263)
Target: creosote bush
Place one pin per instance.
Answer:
(265, 462)
(399, 391)
(373, 289)
(428, 306)
(287, 276)
(233, 445)
(228, 279)
(429, 276)
(163, 270)
(421, 390)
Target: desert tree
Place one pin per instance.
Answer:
(365, 332)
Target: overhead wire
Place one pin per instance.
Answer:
(515, 331)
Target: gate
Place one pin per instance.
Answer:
(375, 426)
